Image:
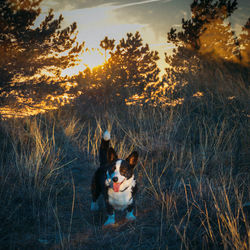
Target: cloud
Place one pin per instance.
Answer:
(137, 3)
(59, 5)
(96, 23)
(159, 16)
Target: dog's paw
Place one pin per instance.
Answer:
(130, 216)
(106, 135)
(94, 206)
(110, 221)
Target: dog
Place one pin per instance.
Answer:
(115, 180)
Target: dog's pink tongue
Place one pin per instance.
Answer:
(116, 186)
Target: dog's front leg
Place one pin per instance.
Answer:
(130, 212)
(111, 214)
(130, 208)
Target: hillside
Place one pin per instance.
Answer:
(193, 176)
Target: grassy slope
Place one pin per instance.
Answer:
(193, 178)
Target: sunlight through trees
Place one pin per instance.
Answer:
(38, 62)
(31, 56)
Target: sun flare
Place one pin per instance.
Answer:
(91, 58)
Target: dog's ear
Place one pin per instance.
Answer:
(132, 159)
(112, 156)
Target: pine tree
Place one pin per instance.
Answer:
(131, 67)
(206, 50)
(203, 12)
(136, 64)
(29, 52)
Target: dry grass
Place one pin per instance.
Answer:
(193, 178)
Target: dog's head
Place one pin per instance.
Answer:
(120, 171)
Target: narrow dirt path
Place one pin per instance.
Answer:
(79, 228)
(74, 226)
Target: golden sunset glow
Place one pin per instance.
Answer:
(34, 109)
(93, 21)
(91, 58)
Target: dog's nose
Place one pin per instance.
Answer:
(115, 179)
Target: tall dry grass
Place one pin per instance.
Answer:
(192, 174)
(194, 165)
(35, 152)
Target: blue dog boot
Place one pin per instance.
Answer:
(130, 215)
(110, 221)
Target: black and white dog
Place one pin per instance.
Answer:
(115, 180)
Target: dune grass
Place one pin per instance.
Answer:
(193, 178)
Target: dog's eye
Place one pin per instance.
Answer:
(124, 171)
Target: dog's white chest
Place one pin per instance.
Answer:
(120, 200)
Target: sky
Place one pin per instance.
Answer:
(115, 18)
